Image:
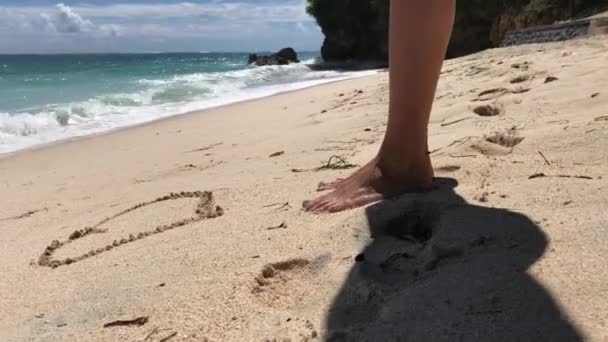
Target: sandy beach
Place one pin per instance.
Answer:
(509, 246)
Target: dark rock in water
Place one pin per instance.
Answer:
(283, 57)
(288, 54)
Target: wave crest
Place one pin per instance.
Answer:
(156, 98)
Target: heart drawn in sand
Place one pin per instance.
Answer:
(205, 209)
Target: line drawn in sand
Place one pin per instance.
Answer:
(205, 209)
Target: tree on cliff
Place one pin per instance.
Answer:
(358, 29)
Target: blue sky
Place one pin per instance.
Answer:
(44, 26)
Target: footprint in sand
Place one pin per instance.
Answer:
(520, 79)
(205, 209)
(468, 274)
(498, 144)
(522, 66)
(475, 70)
(412, 247)
(505, 139)
(491, 94)
(550, 79)
(520, 90)
(287, 283)
(487, 110)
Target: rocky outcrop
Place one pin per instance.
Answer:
(283, 57)
(556, 23)
(358, 30)
(289, 55)
(548, 33)
(354, 30)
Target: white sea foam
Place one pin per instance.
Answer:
(158, 99)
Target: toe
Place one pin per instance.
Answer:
(316, 203)
(311, 204)
(337, 207)
(324, 208)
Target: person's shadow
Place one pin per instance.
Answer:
(441, 269)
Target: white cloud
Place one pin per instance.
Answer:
(91, 24)
(286, 11)
(57, 19)
(65, 20)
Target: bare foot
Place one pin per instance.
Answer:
(335, 184)
(372, 183)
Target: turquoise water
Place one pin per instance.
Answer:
(44, 98)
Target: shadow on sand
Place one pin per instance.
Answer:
(441, 269)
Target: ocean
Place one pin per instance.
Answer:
(46, 98)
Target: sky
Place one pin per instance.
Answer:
(44, 26)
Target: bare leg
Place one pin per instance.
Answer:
(419, 34)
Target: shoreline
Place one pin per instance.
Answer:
(37, 147)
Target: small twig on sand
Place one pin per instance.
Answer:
(542, 175)
(157, 331)
(276, 154)
(152, 332)
(352, 141)
(219, 189)
(462, 156)
(545, 158)
(459, 142)
(455, 121)
(336, 163)
(455, 143)
(281, 226)
(285, 206)
(282, 206)
(579, 177)
(601, 118)
(325, 186)
(24, 215)
(136, 321)
(205, 148)
(170, 336)
(537, 175)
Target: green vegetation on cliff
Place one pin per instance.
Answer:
(358, 29)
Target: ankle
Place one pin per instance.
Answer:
(400, 167)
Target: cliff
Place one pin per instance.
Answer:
(358, 29)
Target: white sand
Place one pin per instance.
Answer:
(524, 259)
